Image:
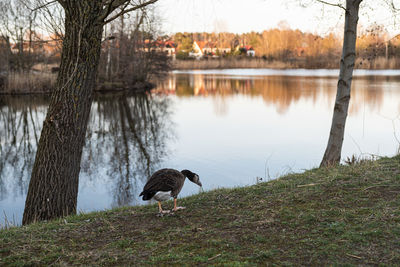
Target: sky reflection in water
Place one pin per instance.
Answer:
(230, 129)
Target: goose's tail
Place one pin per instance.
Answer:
(147, 195)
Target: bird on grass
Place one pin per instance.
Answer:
(167, 183)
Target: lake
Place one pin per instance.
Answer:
(232, 127)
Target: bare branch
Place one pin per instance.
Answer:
(114, 4)
(52, 20)
(332, 4)
(393, 6)
(107, 9)
(44, 5)
(122, 9)
(111, 6)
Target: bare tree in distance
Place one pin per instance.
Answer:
(53, 187)
(130, 55)
(17, 24)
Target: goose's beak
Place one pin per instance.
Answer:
(199, 184)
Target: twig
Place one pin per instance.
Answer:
(331, 4)
(357, 145)
(394, 131)
(213, 258)
(266, 169)
(44, 5)
(380, 185)
(353, 256)
(125, 10)
(307, 185)
(55, 261)
(6, 224)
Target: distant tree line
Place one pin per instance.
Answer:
(375, 49)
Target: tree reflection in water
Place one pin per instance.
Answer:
(280, 92)
(126, 141)
(20, 125)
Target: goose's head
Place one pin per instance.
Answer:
(193, 177)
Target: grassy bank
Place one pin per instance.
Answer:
(344, 215)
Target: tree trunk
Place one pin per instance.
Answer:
(334, 149)
(121, 44)
(53, 187)
(387, 50)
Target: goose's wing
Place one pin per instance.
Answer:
(164, 180)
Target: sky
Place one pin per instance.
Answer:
(240, 16)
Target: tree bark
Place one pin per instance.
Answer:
(53, 187)
(334, 149)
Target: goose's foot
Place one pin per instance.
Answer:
(179, 208)
(161, 213)
(165, 211)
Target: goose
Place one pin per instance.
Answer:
(167, 183)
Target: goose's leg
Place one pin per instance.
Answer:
(177, 208)
(161, 210)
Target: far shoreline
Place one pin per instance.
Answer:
(299, 72)
(240, 62)
(42, 83)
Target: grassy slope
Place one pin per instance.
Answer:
(345, 215)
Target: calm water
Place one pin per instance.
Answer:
(229, 126)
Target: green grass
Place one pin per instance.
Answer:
(344, 216)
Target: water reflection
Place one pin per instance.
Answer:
(230, 129)
(279, 91)
(20, 126)
(126, 140)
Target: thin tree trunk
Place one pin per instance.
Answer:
(8, 54)
(387, 50)
(334, 149)
(53, 187)
(120, 48)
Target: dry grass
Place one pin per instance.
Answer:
(255, 63)
(42, 67)
(379, 63)
(259, 63)
(223, 63)
(28, 83)
(20, 83)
